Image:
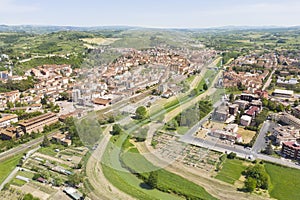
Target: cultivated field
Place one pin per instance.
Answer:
(99, 40)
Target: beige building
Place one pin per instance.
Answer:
(289, 120)
(285, 134)
(37, 123)
(7, 120)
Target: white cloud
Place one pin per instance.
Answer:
(13, 7)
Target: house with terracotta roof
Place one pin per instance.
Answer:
(6, 120)
(101, 101)
(291, 149)
(37, 123)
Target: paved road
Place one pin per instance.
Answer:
(23, 147)
(260, 142)
(268, 82)
(239, 150)
(14, 172)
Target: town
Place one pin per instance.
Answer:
(141, 113)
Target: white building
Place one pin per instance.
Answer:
(246, 120)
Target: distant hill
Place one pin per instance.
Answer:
(48, 29)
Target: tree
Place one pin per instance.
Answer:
(116, 129)
(205, 87)
(172, 125)
(231, 155)
(258, 173)
(265, 102)
(64, 96)
(29, 197)
(231, 97)
(250, 184)
(141, 135)
(74, 179)
(46, 142)
(44, 101)
(57, 181)
(141, 112)
(153, 179)
(280, 107)
(296, 103)
(269, 150)
(36, 176)
(9, 105)
(111, 119)
(193, 93)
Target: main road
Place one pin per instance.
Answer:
(239, 150)
(22, 148)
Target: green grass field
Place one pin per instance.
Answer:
(126, 181)
(167, 181)
(182, 130)
(134, 185)
(285, 182)
(18, 182)
(8, 165)
(231, 171)
(209, 75)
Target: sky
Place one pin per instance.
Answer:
(151, 13)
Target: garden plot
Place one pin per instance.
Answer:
(169, 148)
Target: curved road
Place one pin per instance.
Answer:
(102, 188)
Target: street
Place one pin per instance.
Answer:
(239, 150)
(260, 142)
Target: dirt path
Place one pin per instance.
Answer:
(103, 189)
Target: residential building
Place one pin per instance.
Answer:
(283, 93)
(101, 101)
(242, 104)
(296, 111)
(281, 82)
(232, 128)
(291, 149)
(253, 111)
(10, 133)
(76, 95)
(289, 119)
(249, 97)
(285, 134)
(6, 120)
(233, 109)
(221, 113)
(246, 120)
(226, 135)
(37, 123)
(73, 193)
(62, 139)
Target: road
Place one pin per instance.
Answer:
(268, 82)
(184, 105)
(23, 147)
(103, 189)
(260, 142)
(239, 150)
(15, 171)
